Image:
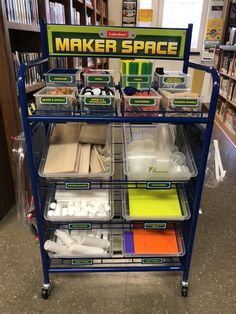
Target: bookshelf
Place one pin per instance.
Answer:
(25, 37)
(226, 109)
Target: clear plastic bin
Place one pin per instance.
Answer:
(98, 78)
(146, 106)
(149, 205)
(100, 233)
(137, 81)
(173, 101)
(102, 175)
(172, 80)
(80, 205)
(157, 152)
(102, 105)
(137, 244)
(55, 105)
(61, 77)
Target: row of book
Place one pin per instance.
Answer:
(56, 13)
(34, 74)
(229, 65)
(228, 89)
(22, 11)
(76, 17)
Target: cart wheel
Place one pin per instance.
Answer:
(184, 291)
(45, 293)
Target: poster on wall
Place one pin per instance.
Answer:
(129, 13)
(145, 15)
(214, 32)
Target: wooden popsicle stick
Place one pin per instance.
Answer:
(95, 164)
(84, 158)
(99, 158)
(63, 148)
(77, 161)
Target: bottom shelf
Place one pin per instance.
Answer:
(123, 242)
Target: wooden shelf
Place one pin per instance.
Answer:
(232, 103)
(226, 130)
(23, 27)
(225, 74)
(89, 7)
(224, 97)
(34, 87)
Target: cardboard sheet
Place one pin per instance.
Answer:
(150, 203)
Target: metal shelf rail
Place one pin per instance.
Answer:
(193, 188)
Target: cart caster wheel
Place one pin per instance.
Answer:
(45, 293)
(184, 292)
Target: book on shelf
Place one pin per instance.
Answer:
(224, 86)
(76, 17)
(61, 63)
(56, 13)
(34, 74)
(22, 11)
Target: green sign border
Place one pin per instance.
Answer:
(68, 29)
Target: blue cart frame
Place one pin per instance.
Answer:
(30, 121)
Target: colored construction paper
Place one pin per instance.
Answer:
(162, 242)
(154, 203)
(129, 242)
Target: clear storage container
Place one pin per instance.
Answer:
(139, 242)
(137, 81)
(48, 104)
(64, 175)
(146, 106)
(173, 100)
(103, 234)
(61, 77)
(157, 152)
(102, 105)
(79, 205)
(172, 80)
(98, 78)
(167, 205)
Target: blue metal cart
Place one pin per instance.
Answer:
(198, 129)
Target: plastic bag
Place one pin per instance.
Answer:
(21, 193)
(215, 172)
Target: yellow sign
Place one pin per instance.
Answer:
(214, 30)
(145, 15)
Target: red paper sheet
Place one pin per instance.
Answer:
(155, 242)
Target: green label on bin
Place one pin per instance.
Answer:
(174, 80)
(53, 100)
(138, 79)
(77, 185)
(99, 79)
(158, 185)
(80, 226)
(97, 101)
(155, 225)
(81, 262)
(183, 102)
(142, 102)
(151, 260)
(60, 79)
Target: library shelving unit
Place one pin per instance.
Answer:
(226, 109)
(37, 126)
(26, 38)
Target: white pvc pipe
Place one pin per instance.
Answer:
(56, 248)
(64, 237)
(82, 249)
